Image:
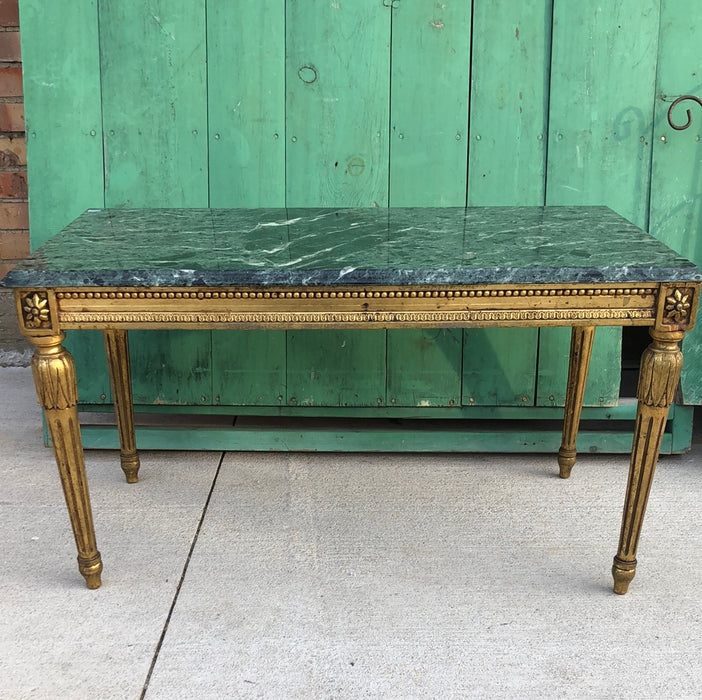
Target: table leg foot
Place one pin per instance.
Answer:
(566, 460)
(91, 570)
(130, 467)
(623, 572)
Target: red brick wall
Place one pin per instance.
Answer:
(14, 224)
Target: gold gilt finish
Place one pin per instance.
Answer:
(658, 380)
(117, 351)
(329, 307)
(668, 308)
(580, 351)
(57, 392)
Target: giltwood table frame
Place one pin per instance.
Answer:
(668, 308)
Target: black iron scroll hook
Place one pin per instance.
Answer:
(674, 104)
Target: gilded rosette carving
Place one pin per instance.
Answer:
(677, 306)
(54, 378)
(36, 312)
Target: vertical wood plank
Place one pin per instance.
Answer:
(248, 368)
(602, 388)
(493, 373)
(337, 72)
(429, 103)
(428, 156)
(171, 368)
(507, 160)
(602, 88)
(676, 187)
(509, 102)
(154, 97)
(336, 368)
(88, 350)
(424, 367)
(246, 110)
(63, 112)
(337, 115)
(64, 142)
(246, 103)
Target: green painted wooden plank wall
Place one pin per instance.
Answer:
(296, 103)
(154, 114)
(676, 197)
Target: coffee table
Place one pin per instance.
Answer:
(581, 267)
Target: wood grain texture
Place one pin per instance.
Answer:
(171, 367)
(248, 368)
(602, 88)
(246, 103)
(429, 103)
(509, 102)
(424, 367)
(154, 97)
(337, 106)
(336, 368)
(499, 367)
(88, 351)
(62, 103)
(602, 388)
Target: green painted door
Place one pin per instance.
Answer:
(297, 103)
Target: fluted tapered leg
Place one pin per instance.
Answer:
(117, 350)
(580, 351)
(658, 380)
(55, 381)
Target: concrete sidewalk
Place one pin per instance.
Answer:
(343, 576)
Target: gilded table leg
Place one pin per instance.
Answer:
(658, 379)
(117, 350)
(580, 351)
(55, 380)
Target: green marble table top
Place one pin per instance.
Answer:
(307, 247)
